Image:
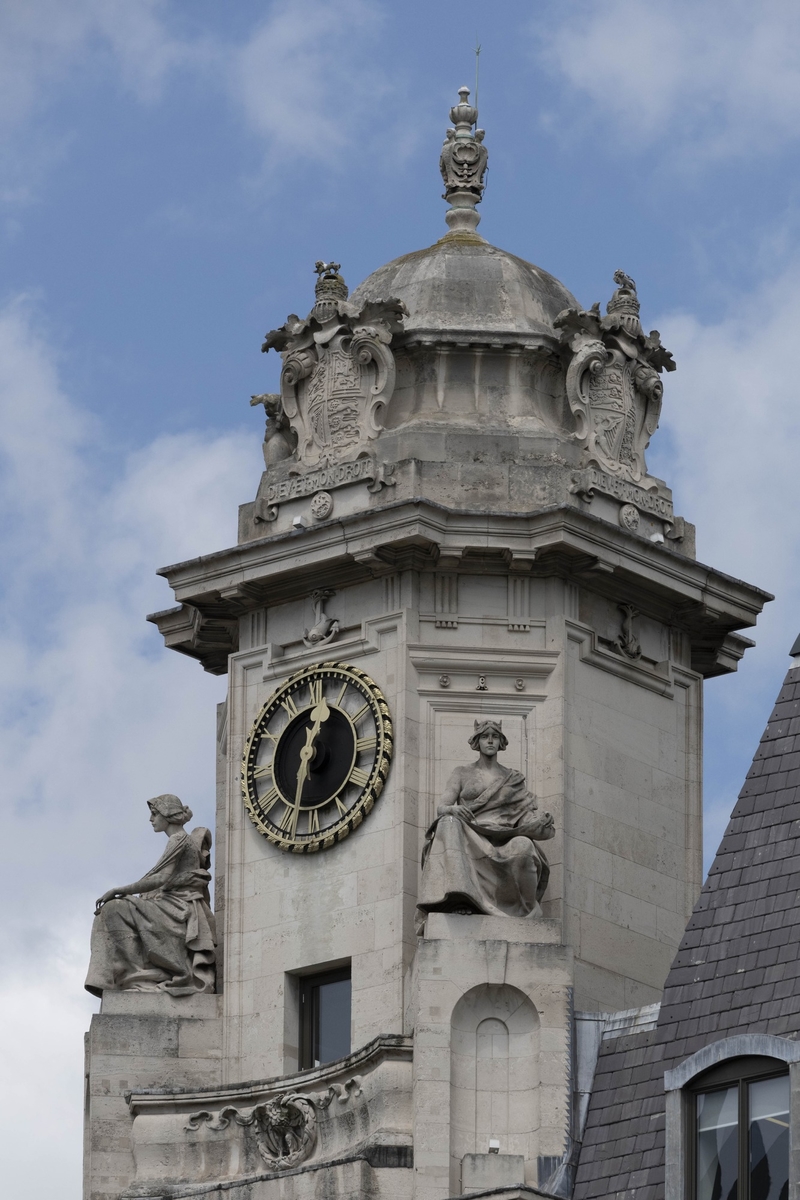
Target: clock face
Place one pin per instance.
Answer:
(317, 757)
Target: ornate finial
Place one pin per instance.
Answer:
(624, 304)
(463, 166)
(329, 290)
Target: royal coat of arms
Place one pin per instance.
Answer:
(338, 371)
(613, 384)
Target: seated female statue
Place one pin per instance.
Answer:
(480, 853)
(158, 934)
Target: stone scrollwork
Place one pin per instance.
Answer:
(338, 371)
(613, 384)
(285, 1126)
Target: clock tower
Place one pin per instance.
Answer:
(462, 622)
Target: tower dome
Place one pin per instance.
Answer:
(463, 374)
(465, 287)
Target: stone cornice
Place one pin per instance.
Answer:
(419, 534)
(366, 1058)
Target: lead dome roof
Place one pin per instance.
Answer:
(463, 288)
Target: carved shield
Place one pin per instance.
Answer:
(616, 401)
(333, 394)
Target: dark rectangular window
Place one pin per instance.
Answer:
(741, 1146)
(324, 1017)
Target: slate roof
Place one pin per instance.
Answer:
(737, 969)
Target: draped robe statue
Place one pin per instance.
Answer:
(158, 934)
(480, 853)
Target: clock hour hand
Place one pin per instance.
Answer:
(319, 713)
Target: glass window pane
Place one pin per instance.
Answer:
(333, 1021)
(717, 1144)
(769, 1139)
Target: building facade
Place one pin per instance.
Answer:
(455, 549)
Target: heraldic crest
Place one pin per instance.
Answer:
(613, 384)
(338, 370)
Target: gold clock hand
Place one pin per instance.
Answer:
(320, 714)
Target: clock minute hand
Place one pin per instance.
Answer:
(320, 714)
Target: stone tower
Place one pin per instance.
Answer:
(456, 523)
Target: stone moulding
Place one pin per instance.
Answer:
(563, 540)
(331, 1078)
(356, 1107)
(376, 475)
(585, 483)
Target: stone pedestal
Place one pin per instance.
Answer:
(482, 1172)
(141, 1040)
(492, 1011)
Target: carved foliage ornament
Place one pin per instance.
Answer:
(338, 371)
(464, 157)
(613, 383)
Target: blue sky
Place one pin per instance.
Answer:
(170, 170)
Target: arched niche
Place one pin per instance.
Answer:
(494, 1074)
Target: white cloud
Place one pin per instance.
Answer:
(732, 419)
(306, 78)
(713, 79)
(94, 715)
(42, 41)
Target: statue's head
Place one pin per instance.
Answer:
(171, 808)
(482, 727)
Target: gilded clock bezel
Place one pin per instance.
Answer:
(309, 843)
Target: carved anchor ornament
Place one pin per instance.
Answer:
(324, 629)
(627, 642)
(613, 384)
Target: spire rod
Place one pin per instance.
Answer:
(463, 165)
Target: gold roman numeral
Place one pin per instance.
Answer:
(315, 687)
(286, 819)
(313, 820)
(290, 706)
(356, 717)
(341, 807)
(340, 697)
(269, 800)
(366, 743)
(262, 772)
(358, 777)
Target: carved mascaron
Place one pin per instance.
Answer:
(338, 371)
(613, 383)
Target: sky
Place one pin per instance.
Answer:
(170, 170)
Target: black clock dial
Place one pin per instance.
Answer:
(331, 763)
(317, 757)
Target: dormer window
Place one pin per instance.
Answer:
(740, 1117)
